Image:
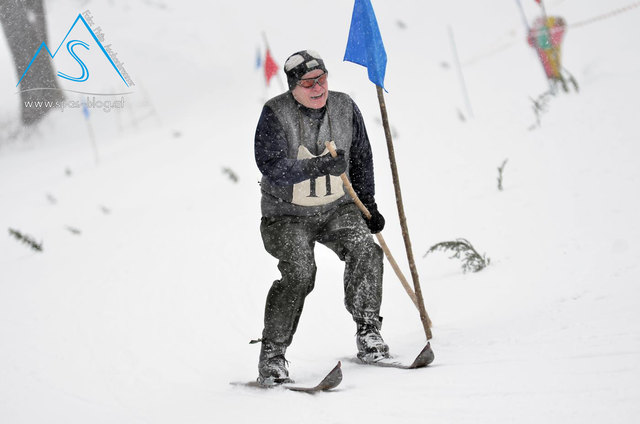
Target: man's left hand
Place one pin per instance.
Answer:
(376, 222)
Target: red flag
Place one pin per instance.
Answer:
(270, 67)
(538, 1)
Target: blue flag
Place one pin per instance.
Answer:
(258, 58)
(365, 42)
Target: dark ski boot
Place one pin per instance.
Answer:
(371, 346)
(272, 367)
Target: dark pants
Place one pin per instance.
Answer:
(291, 239)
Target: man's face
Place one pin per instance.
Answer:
(315, 96)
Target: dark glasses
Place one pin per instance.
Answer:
(311, 82)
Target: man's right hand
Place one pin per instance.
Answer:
(327, 164)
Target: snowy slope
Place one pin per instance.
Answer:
(145, 316)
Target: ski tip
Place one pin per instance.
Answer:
(333, 379)
(424, 358)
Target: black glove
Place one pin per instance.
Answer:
(376, 222)
(326, 164)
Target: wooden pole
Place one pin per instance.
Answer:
(424, 317)
(383, 244)
(544, 10)
(463, 84)
(522, 14)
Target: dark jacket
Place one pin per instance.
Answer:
(288, 132)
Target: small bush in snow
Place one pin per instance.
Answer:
(500, 171)
(73, 230)
(540, 106)
(232, 175)
(462, 249)
(29, 241)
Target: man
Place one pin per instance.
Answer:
(304, 202)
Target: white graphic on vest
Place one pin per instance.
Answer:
(316, 191)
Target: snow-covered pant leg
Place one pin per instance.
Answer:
(291, 241)
(348, 236)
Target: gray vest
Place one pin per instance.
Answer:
(306, 138)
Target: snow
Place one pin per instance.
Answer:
(145, 316)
